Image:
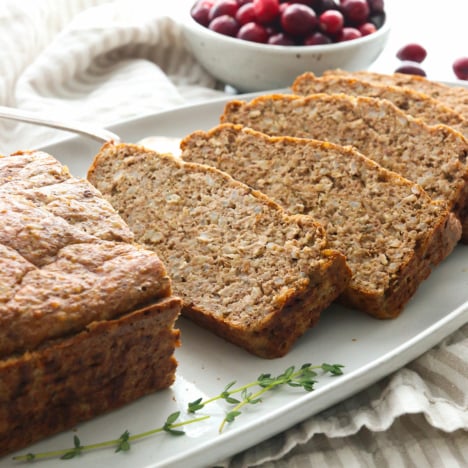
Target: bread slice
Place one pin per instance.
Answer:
(408, 100)
(244, 268)
(435, 157)
(69, 309)
(389, 229)
(455, 97)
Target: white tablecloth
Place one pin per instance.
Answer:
(103, 61)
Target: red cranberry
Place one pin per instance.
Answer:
(412, 52)
(253, 32)
(266, 10)
(224, 24)
(283, 7)
(331, 21)
(367, 28)
(223, 7)
(348, 34)
(460, 68)
(200, 12)
(245, 14)
(410, 68)
(243, 2)
(355, 11)
(299, 20)
(281, 39)
(317, 38)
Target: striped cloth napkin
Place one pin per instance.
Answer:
(104, 61)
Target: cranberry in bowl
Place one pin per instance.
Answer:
(257, 45)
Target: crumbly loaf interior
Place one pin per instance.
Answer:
(455, 97)
(65, 256)
(409, 101)
(244, 269)
(208, 229)
(379, 220)
(433, 156)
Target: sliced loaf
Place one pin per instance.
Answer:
(408, 100)
(389, 229)
(455, 97)
(435, 157)
(243, 267)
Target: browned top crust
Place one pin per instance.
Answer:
(433, 156)
(410, 101)
(455, 97)
(387, 226)
(66, 258)
(243, 267)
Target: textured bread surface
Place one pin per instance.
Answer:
(435, 157)
(243, 268)
(109, 364)
(408, 100)
(390, 231)
(455, 97)
(74, 288)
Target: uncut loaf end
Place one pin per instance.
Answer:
(244, 268)
(435, 157)
(390, 231)
(76, 294)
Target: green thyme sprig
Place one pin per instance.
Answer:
(303, 377)
(122, 444)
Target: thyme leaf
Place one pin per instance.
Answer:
(304, 377)
(122, 444)
(248, 394)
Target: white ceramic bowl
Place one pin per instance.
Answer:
(249, 66)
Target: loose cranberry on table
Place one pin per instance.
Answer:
(460, 68)
(410, 68)
(413, 52)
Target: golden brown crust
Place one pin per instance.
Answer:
(455, 97)
(72, 257)
(433, 156)
(408, 100)
(243, 267)
(389, 229)
(293, 317)
(86, 315)
(73, 379)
